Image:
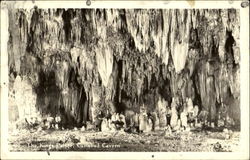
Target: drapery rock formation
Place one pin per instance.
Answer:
(78, 62)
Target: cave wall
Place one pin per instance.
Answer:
(77, 62)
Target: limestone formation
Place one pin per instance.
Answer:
(162, 105)
(143, 122)
(149, 125)
(136, 120)
(104, 125)
(80, 62)
(184, 119)
(122, 119)
(174, 115)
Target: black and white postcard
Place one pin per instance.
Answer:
(124, 80)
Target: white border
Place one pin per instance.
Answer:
(244, 79)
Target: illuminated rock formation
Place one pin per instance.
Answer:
(78, 62)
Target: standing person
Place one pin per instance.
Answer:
(98, 121)
(168, 115)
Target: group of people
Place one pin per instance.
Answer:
(172, 117)
(145, 121)
(36, 122)
(110, 122)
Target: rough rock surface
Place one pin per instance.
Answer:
(77, 62)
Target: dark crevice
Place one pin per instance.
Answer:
(66, 16)
(229, 56)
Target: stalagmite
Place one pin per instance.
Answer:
(25, 98)
(142, 122)
(189, 105)
(83, 128)
(86, 61)
(122, 119)
(149, 125)
(104, 125)
(178, 127)
(117, 117)
(183, 119)
(129, 115)
(174, 116)
(162, 104)
(168, 131)
(111, 126)
(113, 117)
(156, 122)
(196, 111)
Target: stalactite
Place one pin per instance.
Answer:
(179, 38)
(104, 59)
(178, 53)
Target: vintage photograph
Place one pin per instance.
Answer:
(124, 80)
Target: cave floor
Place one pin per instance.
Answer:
(158, 141)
